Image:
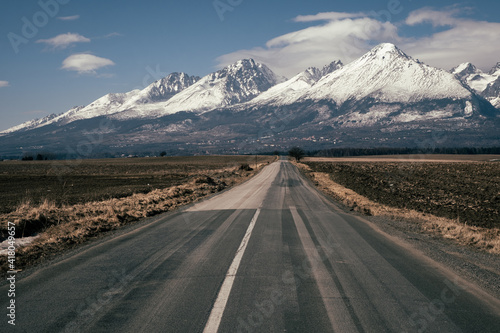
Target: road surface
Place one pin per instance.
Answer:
(271, 255)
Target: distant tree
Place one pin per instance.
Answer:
(27, 157)
(297, 153)
(39, 157)
(276, 152)
(163, 153)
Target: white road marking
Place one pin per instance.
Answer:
(215, 318)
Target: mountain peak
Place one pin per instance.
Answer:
(495, 70)
(311, 73)
(384, 52)
(242, 66)
(243, 63)
(386, 48)
(332, 67)
(387, 74)
(238, 82)
(476, 78)
(464, 69)
(167, 87)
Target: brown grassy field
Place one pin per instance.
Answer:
(87, 198)
(79, 181)
(468, 192)
(483, 239)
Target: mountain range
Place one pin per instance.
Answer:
(384, 98)
(484, 84)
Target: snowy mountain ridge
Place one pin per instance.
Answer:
(376, 86)
(474, 77)
(236, 83)
(485, 84)
(291, 90)
(30, 124)
(388, 75)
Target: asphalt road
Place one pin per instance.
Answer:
(271, 255)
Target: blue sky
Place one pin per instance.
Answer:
(56, 54)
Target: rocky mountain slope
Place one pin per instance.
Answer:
(385, 98)
(485, 84)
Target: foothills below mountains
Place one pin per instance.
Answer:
(383, 99)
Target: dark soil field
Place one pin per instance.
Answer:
(79, 181)
(467, 191)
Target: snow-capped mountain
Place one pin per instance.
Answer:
(109, 104)
(289, 91)
(332, 67)
(386, 86)
(485, 84)
(236, 83)
(383, 98)
(492, 93)
(104, 106)
(473, 76)
(157, 92)
(163, 89)
(387, 74)
(30, 124)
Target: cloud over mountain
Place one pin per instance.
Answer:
(85, 63)
(346, 36)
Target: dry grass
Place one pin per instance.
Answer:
(64, 226)
(486, 239)
(71, 182)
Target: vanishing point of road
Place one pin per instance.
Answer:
(270, 255)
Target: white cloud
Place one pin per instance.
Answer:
(85, 63)
(346, 36)
(330, 16)
(69, 18)
(463, 40)
(112, 34)
(434, 17)
(4, 84)
(344, 39)
(64, 40)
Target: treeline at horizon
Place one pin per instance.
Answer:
(346, 152)
(333, 152)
